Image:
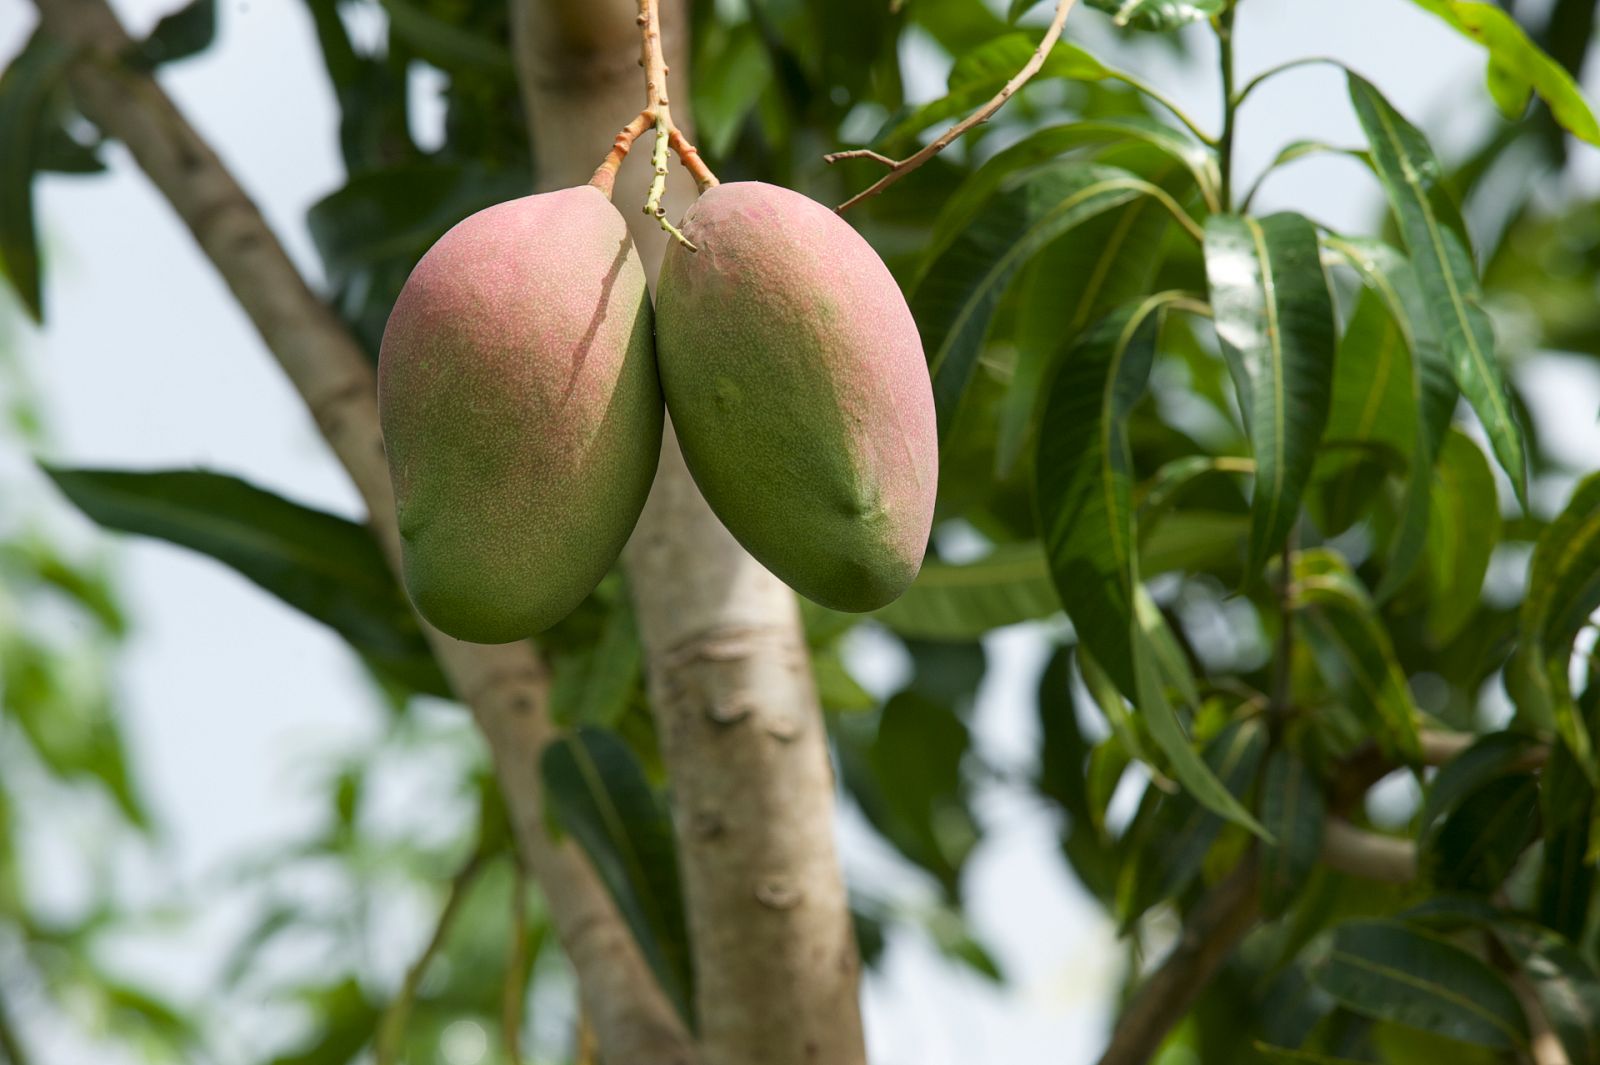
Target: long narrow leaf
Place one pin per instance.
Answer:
(956, 299)
(1442, 253)
(598, 793)
(962, 602)
(1519, 68)
(319, 563)
(1083, 482)
(1274, 317)
(1346, 627)
(1563, 592)
(1393, 972)
(1433, 392)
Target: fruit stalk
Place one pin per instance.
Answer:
(507, 686)
(656, 115)
(899, 168)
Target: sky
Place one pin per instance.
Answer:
(232, 700)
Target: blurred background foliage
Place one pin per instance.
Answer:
(1390, 635)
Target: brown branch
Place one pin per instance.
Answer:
(899, 168)
(505, 686)
(1211, 932)
(776, 966)
(1368, 855)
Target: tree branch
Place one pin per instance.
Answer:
(1214, 928)
(505, 686)
(1368, 855)
(899, 168)
(741, 730)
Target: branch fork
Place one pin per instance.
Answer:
(657, 115)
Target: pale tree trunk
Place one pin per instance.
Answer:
(776, 965)
(506, 686)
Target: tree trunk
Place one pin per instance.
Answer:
(776, 965)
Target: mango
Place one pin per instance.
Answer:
(522, 414)
(795, 380)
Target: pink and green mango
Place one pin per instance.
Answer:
(796, 383)
(521, 410)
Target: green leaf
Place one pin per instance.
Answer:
(1518, 67)
(1563, 591)
(956, 300)
(982, 72)
(1490, 758)
(1564, 982)
(324, 565)
(732, 73)
(1476, 845)
(25, 90)
(1432, 389)
(599, 795)
(1159, 14)
(1083, 472)
(445, 44)
(961, 602)
(1350, 638)
(1105, 263)
(1021, 7)
(1274, 317)
(1394, 972)
(399, 212)
(1292, 810)
(1566, 876)
(1066, 765)
(186, 32)
(596, 685)
(837, 690)
(1442, 254)
(67, 720)
(1045, 145)
(1463, 528)
(1191, 770)
(1175, 841)
(920, 800)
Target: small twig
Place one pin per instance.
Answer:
(658, 186)
(1283, 665)
(605, 175)
(1213, 929)
(899, 168)
(1223, 24)
(588, 1049)
(392, 1028)
(516, 985)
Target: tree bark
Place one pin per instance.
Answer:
(505, 686)
(776, 965)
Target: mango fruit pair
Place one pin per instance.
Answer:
(522, 382)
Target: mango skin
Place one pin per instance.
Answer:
(521, 412)
(796, 383)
